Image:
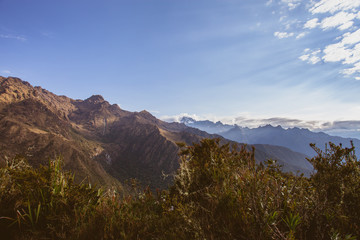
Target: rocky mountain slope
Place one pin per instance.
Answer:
(295, 139)
(99, 140)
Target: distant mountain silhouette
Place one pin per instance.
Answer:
(99, 140)
(296, 139)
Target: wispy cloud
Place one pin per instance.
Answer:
(291, 4)
(269, 2)
(312, 23)
(332, 6)
(341, 20)
(154, 111)
(281, 35)
(343, 14)
(47, 34)
(301, 35)
(340, 16)
(10, 36)
(6, 71)
(346, 51)
(311, 56)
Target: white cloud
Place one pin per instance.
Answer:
(313, 23)
(332, 6)
(282, 18)
(352, 70)
(282, 35)
(354, 55)
(9, 36)
(6, 71)
(268, 3)
(177, 118)
(346, 25)
(341, 15)
(351, 38)
(301, 35)
(342, 20)
(292, 4)
(336, 52)
(304, 57)
(314, 60)
(346, 51)
(311, 57)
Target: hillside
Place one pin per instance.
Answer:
(97, 139)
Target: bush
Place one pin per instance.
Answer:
(219, 192)
(40, 202)
(46, 203)
(223, 194)
(336, 184)
(228, 196)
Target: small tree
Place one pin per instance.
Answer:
(336, 181)
(224, 194)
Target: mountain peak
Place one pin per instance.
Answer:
(13, 89)
(95, 99)
(187, 120)
(236, 126)
(268, 126)
(145, 114)
(13, 81)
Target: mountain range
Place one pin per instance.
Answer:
(296, 139)
(100, 141)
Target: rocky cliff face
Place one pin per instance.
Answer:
(96, 139)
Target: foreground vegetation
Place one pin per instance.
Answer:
(219, 192)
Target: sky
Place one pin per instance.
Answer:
(250, 62)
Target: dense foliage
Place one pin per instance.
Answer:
(219, 192)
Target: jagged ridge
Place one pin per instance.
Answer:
(97, 139)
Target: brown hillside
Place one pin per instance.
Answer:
(96, 139)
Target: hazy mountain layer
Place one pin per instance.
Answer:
(295, 139)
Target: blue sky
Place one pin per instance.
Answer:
(240, 61)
